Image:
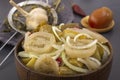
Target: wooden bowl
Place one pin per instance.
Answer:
(25, 73)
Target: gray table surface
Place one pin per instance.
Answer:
(8, 70)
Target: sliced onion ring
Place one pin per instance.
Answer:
(61, 25)
(84, 62)
(75, 68)
(81, 34)
(25, 55)
(95, 60)
(90, 64)
(58, 52)
(95, 35)
(39, 42)
(80, 47)
(104, 47)
(80, 53)
(54, 29)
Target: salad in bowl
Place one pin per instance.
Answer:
(64, 52)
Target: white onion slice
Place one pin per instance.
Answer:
(93, 65)
(61, 25)
(54, 29)
(104, 47)
(90, 62)
(94, 35)
(54, 55)
(58, 53)
(75, 68)
(95, 60)
(81, 34)
(80, 53)
(25, 54)
(56, 46)
(80, 47)
(84, 62)
(99, 37)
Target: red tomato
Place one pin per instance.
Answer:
(59, 60)
(100, 18)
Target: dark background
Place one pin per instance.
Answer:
(8, 70)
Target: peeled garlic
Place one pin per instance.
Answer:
(34, 18)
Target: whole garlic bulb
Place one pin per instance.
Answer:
(34, 18)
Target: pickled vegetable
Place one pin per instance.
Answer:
(64, 52)
(31, 63)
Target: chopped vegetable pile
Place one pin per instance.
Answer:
(64, 50)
